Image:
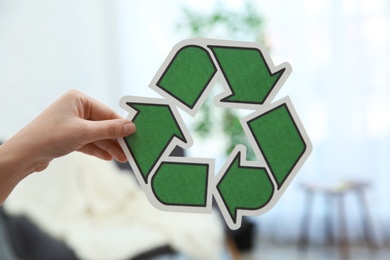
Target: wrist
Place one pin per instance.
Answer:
(13, 167)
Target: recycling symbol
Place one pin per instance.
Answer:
(274, 131)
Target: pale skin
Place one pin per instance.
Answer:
(75, 122)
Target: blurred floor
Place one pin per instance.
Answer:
(266, 250)
(276, 251)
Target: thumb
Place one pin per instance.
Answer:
(110, 129)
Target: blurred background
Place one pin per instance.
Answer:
(340, 86)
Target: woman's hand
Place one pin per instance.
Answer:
(75, 122)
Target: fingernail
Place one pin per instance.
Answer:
(128, 128)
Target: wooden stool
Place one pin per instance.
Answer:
(337, 192)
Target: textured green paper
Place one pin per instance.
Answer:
(181, 184)
(153, 135)
(245, 188)
(280, 141)
(247, 74)
(188, 74)
(250, 81)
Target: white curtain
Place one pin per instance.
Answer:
(339, 51)
(48, 47)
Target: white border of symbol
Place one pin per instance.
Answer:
(259, 110)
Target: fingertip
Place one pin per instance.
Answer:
(120, 156)
(121, 159)
(129, 128)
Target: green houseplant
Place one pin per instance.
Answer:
(242, 25)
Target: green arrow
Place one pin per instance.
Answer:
(280, 141)
(247, 74)
(156, 127)
(181, 184)
(188, 75)
(245, 188)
